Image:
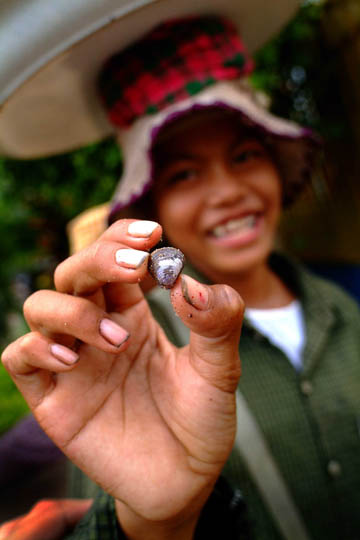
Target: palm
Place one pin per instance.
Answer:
(148, 407)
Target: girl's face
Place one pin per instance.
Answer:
(217, 195)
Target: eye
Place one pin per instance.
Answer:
(180, 175)
(243, 156)
(248, 150)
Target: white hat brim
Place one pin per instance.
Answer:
(137, 141)
(53, 51)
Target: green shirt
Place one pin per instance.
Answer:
(311, 420)
(100, 522)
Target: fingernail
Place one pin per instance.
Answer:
(142, 229)
(130, 258)
(194, 293)
(65, 355)
(113, 333)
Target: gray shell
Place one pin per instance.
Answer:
(165, 265)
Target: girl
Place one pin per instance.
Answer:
(154, 424)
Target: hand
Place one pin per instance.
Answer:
(150, 423)
(48, 520)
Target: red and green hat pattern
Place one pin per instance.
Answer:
(176, 60)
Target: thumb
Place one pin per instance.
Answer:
(214, 315)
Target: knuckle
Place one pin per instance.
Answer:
(6, 357)
(58, 274)
(96, 258)
(15, 350)
(96, 251)
(236, 303)
(61, 271)
(118, 227)
(85, 311)
(28, 305)
(26, 343)
(31, 305)
(81, 313)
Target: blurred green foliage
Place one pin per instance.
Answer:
(300, 71)
(38, 197)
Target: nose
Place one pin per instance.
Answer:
(224, 187)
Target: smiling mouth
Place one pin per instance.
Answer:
(234, 226)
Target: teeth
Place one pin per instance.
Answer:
(234, 225)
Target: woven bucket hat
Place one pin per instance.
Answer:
(179, 67)
(174, 58)
(52, 53)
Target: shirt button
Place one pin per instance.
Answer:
(334, 468)
(306, 388)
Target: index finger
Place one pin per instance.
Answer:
(104, 262)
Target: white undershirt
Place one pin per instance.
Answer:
(284, 327)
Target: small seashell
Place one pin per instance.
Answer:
(165, 265)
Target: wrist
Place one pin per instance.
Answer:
(136, 527)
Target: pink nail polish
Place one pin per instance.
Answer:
(64, 354)
(113, 333)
